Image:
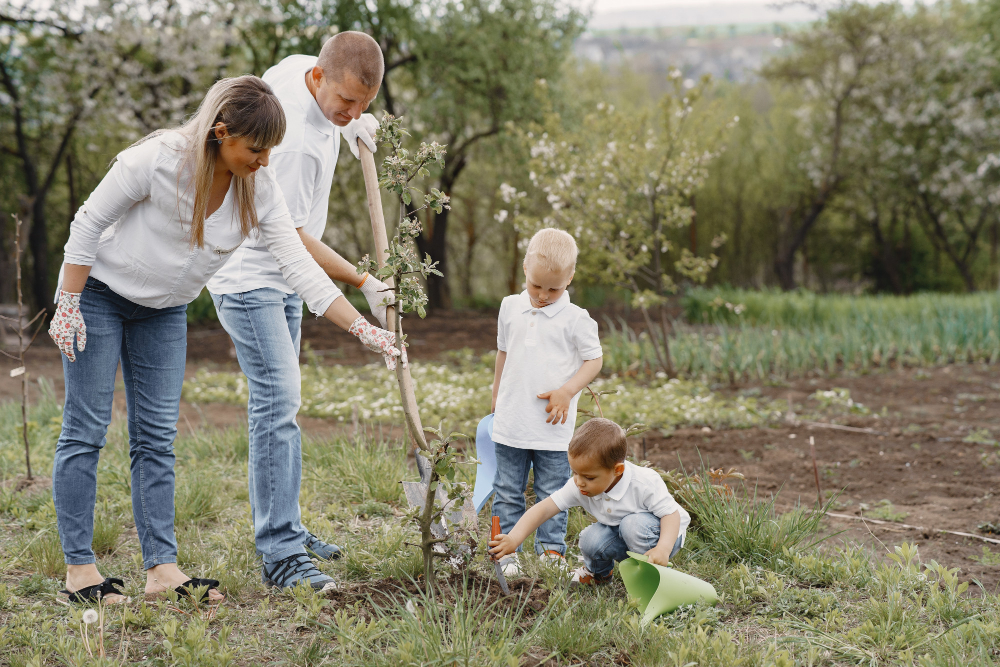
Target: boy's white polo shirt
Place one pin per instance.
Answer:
(545, 348)
(639, 490)
(303, 164)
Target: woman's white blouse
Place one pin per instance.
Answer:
(134, 232)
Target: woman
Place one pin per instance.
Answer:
(162, 221)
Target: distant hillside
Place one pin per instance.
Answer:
(700, 14)
(728, 41)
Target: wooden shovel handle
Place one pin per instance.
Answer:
(409, 399)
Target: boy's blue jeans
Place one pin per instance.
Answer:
(603, 546)
(151, 344)
(265, 325)
(551, 473)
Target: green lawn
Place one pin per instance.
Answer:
(784, 600)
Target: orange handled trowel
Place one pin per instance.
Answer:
(494, 531)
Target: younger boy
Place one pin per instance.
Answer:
(547, 352)
(633, 508)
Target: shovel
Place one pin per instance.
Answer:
(416, 492)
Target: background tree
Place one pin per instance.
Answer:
(622, 184)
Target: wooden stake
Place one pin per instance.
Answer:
(812, 452)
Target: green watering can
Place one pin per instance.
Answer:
(661, 589)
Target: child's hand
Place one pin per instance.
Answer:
(558, 407)
(502, 545)
(658, 556)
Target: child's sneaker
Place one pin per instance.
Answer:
(584, 577)
(510, 566)
(554, 558)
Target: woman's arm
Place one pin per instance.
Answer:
(539, 513)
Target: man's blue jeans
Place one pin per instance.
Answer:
(265, 325)
(603, 546)
(151, 344)
(551, 473)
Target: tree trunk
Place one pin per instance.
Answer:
(38, 239)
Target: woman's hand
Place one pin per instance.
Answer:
(378, 295)
(67, 323)
(502, 545)
(378, 340)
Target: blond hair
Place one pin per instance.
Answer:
(599, 441)
(248, 108)
(355, 52)
(554, 249)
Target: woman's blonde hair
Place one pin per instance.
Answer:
(248, 108)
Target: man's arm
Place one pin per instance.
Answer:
(501, 359)
(559, 399)
(529, 523)
(670, 526)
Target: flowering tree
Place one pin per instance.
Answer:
(117, 69)
(623, 185)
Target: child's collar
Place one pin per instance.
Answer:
(617, 490)
(551, 310)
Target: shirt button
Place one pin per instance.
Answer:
(609, 510)
(532, 324)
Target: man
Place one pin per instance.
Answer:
(323, 98)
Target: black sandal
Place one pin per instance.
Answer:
(187, 589)
(92, 594)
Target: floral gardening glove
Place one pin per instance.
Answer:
(378, 295)
(377, 340)
(67, 322)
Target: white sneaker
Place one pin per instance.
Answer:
(554, 558)
(510, 566)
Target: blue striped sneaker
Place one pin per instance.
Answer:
(295, 570)
(317, 548)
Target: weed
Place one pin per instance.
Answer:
(883, 510)
(987, 557)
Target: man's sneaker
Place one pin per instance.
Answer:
(295, 570)
(554, 559)
(317, 548)
(584, 577)
(510, 567)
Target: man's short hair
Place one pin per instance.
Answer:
(599, 441)
(355, 52)
(554, 249)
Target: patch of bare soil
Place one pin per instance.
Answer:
(923, 460)
(368, 597)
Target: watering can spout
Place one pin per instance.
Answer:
(661, 590)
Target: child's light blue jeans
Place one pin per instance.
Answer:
(551, 473)
(603, 546)
(265, 325)
(151, 344)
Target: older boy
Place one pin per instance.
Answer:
(633, 508)
(547, 352)
(323, 99)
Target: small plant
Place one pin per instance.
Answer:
(883, 510)
(988, 557)
(399, 269)
(22, 330)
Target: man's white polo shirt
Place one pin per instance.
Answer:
(639, 490)
(303, 164)
(545, 348)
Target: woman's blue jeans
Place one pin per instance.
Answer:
(602, 546)
(552, 471)
(265, 325)
(151, 344)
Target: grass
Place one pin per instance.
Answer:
(760, 336)
(785, 599)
